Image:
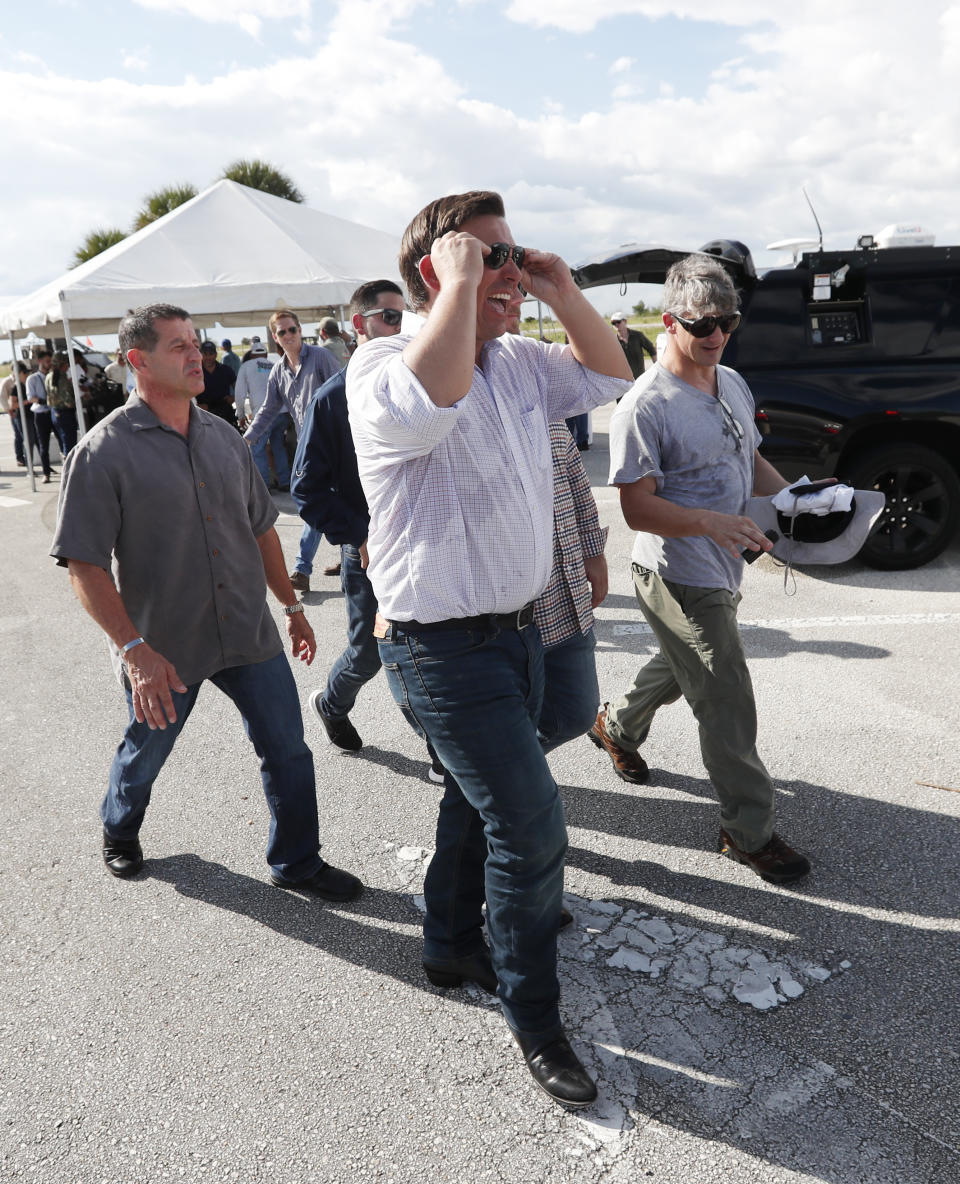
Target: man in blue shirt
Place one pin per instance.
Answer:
(326, 487)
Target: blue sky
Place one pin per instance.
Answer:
(599, 124)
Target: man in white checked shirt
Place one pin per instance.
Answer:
(451, 432)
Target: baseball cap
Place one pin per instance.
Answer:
(208, 347)
(257, 347)
(618, 316)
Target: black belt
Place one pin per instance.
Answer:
(518, 620)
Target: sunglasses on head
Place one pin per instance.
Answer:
(391, 316)
(500, 253)
(704, 326)
(283, 332)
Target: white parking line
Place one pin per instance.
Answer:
(622, 629)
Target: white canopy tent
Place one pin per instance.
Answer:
(231, 255)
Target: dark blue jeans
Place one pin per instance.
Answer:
(266, 696)
(43, 426)
(476, 694)
(360, 661)
(571, 694)
(65, 425)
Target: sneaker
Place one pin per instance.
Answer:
(628, 766)
(342, 733)
(300, 581)
(776, 862)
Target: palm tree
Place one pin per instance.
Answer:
(95, 242)
(257, 174)
(155, 205)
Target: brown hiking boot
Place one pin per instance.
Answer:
(628, 766)
(776, 862)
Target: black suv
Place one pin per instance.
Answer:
(853, 358)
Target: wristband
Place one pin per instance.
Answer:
(125, 649)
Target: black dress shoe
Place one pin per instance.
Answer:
(328, 882)
(556, 1068)
(566, 918)
(123, 857)
(474, 968)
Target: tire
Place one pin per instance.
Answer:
(923, 504)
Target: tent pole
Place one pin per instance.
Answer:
(22, 400)
(540, 318)
(73, 368)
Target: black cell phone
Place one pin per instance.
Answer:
(813, 486)
(749, 555)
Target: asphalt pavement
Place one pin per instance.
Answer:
(197, 1024)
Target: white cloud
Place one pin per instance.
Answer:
(133, 61)
(244, 13)
(620, 66)
(575, 17)
(371, 127)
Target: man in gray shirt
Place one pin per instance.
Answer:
(301, 371)
(683, 453)
(168, 496)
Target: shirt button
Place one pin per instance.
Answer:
(209, 517)
(219, 585)
(215, 551)
(203, 484)
(223, 617)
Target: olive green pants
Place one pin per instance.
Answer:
(701, 657)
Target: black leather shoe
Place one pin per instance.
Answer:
(556, 1068)
(123, 857)
(566, 918)
(474, 968)
(329, 882)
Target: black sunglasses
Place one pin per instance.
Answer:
(283, 332)
(704, 326)
(390, 315)
(500, 253)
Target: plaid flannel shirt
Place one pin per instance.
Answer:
(564, 609)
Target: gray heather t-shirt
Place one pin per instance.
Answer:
(682, 437)
(179, 518)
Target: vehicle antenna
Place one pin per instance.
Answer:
(803, 190)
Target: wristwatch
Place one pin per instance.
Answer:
(290, 609)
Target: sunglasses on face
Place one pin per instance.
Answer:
(500, 253)
(704, 326)
(293, 330)
(391, 316)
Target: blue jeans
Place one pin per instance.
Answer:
(65, 425)
(281, 464)
(360, 661)
(266, 696)
(571, 694)
(579, 428)
(476, 694)
(309, 542)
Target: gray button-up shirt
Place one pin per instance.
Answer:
(289, 391)
(179, 520)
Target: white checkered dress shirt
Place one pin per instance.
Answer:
(461, 498)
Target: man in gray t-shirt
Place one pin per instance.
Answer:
(167, 531)
(683, 453)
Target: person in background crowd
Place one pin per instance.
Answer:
(61, 401)
(634, 344)
(218, 383)
(301, 371)
(10, 403)
(683, 453)
(250, 392)
(229, 357)
(40, 410)
(330, 339)
(453, 450)
(145, 496)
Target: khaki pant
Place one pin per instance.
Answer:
(701, 657)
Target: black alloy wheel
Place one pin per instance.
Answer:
(923, 504)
